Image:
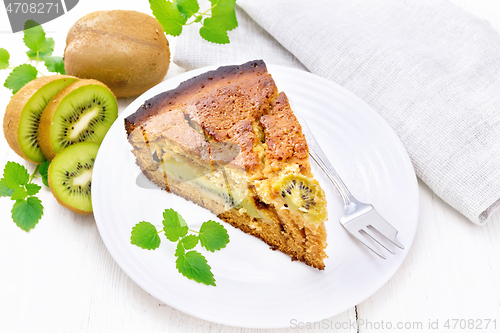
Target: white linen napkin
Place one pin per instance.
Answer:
(429, 68)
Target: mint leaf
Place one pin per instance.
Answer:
(179, 250)
(169, 16)
(145, 235)
(4, 58)
(46, 49)
(55, 64)
(43, 170)
(19, 76)
(213, 236)
(193, 265)
(34, 36)
(174, 225)
(188, 8)
(19, 194)
(31, 24)
(189, 241)
(15, 175)
(213, 31)
(5, 191)
(224, 12)
(32, 189)
(27, 212)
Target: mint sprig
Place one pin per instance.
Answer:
(216, 21)
(19, 76)
(192, 264)
(34, 38)
(40, 49)
(4, 58)
(17, 184)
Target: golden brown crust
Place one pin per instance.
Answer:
(283, 132)
(191, 90)
(283, 236)
(284, 138)
(223, 103)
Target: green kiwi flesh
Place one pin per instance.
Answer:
(303, 195)
(85, 114)
(70, 176)
(30, 118)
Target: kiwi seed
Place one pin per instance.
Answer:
(70, 176)
(81, 112)
(303, 195)
(22, 115)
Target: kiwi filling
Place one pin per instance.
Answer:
(224, 185)
(176, 166)
(302, 195)
(212, 184)
(299, 195)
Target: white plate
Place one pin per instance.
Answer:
(257, 287)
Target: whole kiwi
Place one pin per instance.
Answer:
(126, 50)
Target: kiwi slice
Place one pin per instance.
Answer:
(70, 176)
(22, 115)
(303, 195)
(83, 111)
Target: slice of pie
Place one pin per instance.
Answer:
(228, 141)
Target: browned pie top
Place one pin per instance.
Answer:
(283, 132)
(226, 105)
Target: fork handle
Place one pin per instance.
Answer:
(324, 164)
(320, 158)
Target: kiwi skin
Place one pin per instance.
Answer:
(15, 108)
(48, 113)
(127, 50)
(54, 187)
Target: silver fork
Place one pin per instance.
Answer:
(361, 220)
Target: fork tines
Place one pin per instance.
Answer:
(361, 220)
(371, 225)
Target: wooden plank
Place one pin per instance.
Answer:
(59, 277)
(451, 272)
